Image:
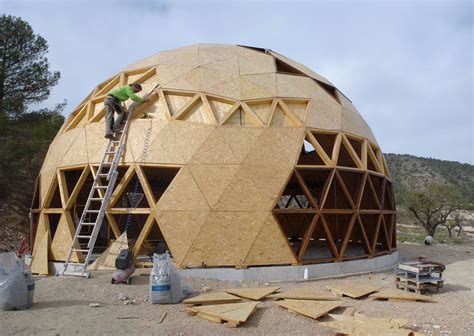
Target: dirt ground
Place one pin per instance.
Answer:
(62, 305)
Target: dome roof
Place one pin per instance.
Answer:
(240, 74)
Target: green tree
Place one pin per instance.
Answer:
(432, 205)
(24, 69)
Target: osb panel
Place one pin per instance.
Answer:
(298, 109)
(206, 57)
(256, 65)
(229, 88)
(96, 142)
(176, 102)
(262, 111)
(253, 188)
(180, 228)
(197, 114)
(229, 64)
(77, 153)
(225, 238)
(294, 86)
(58, 148)
(213, 180)
(214, 150)
(191, 80)
(270, 246)
(185, 55)
(136, 137)
(43, 227)
(352, 122)
(157, 110)
(277, 147)
(168, 73)
(63, 238)
(39, 263)
(183, 194)
(219, 108)
(189, 137)
(280, 119)
(46, 178)
(265, 81)
(250, 90)
(241, 140)
(145, 62)
(323, 112)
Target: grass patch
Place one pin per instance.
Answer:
(417, 234)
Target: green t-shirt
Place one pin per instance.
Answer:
(122, 93)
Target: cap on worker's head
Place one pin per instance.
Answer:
(136, 87)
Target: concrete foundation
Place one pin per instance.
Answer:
(281, 273)
(295, 273)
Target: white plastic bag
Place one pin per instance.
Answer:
(165, 282)
(16, 283)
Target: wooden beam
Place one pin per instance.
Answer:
(326, 188)
(376, 233)
(352, 152)
(344, 189)
(143, 235)
(234, 108)
(165, 104)
(364, 154)
(145, 186)
(294, 119)
(336, 149)
(121, 185)
(113, 224)
(374, 160)
(248, 111)
(332, 246)
(320, 151)
(365, 239)
(207, 107)
(62, 187)
(345, 241)
(307, 237)
(125, 211)
(306, 191)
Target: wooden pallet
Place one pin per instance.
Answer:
(418, 287)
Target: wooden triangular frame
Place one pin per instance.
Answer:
(300, 182)
(369, 191)
(352, 153)
(243, 108)
(128, 178)
(187, 109)
(294, 120)
(347, 196)
(356, 198)
(376, 231)
(326, 185)
(315, 134)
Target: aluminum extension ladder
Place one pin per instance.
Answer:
(96, 204)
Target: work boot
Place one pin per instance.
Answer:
(110, 137)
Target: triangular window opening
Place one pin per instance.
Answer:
(353, 183)
(356, 145)
(132, 196)
(326, 141)
(294, 227)
(315, 180)
(345, 158)
(377, 182)
(53, 220)
(154, 242)
(319, 249)
(159, 178)
(56, 199)
(356, 246)
(368, 198)
(370, 223)
(293, 197)
(309, 155)
(72, 177)
(285, 68)
(336, 198)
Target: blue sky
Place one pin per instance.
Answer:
(406, 65)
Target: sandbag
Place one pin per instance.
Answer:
(16, 283)
(166, 285)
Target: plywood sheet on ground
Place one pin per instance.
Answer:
(39, 264)
(255, 294)
(106, 261)
(225, 238)
(305, 294)
(233, 313)
(310, 308)
(180, 229)
(62, 240)
(212, 299)
(270, 247)
(354, 291)
(183, 194)
(397, 294)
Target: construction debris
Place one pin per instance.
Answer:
(305, 294)
(212, 299)
(162, 318)
(354, 291)
(313, 309)
(393, 294)
(362, 325)
(233, 313)
(255, 294)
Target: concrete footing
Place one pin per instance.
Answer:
(295, 273)
(282, 273)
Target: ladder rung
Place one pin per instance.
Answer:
(80, 250)
(76, 264)
(101, 187)
(92, 211)
(114, 152)
(83, 237)
(88, 224)
(96, 199)
(102, 175)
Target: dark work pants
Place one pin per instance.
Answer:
(111, 106)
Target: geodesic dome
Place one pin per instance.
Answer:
(250, 159)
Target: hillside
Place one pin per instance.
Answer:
(408, 172)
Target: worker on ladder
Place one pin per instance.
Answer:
(112, 104)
